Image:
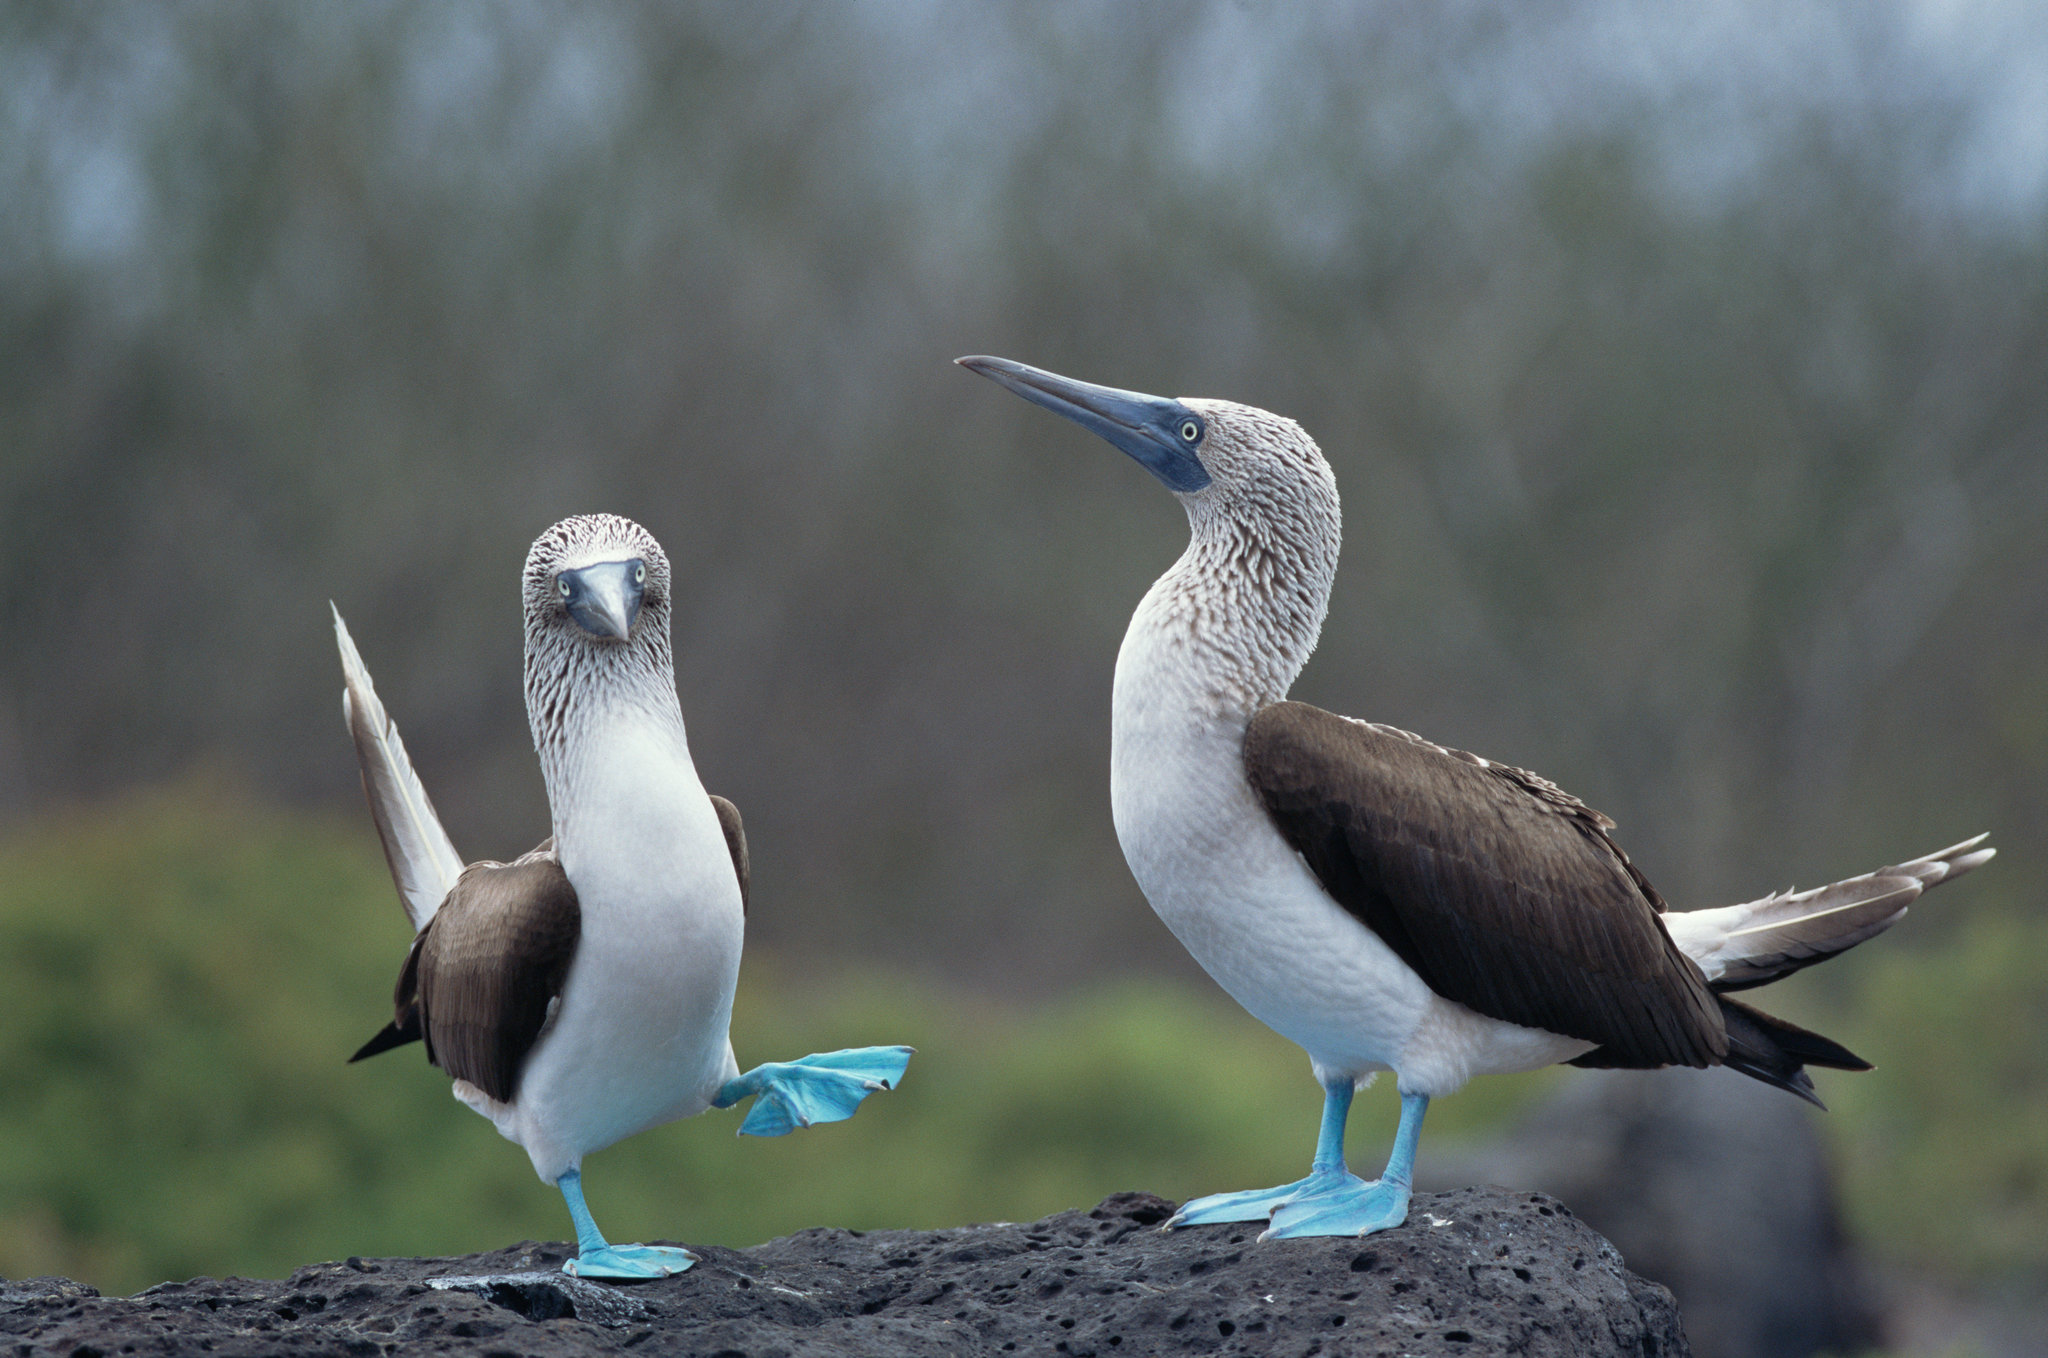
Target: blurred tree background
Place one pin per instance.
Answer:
(1685, 370)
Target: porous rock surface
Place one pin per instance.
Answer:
(1479, 1271)
(1714, 1185)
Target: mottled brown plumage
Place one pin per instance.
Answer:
(490, 965)
(479, 979)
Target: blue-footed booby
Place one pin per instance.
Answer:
(1384, 902)
(583, 993)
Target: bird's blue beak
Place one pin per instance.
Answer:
(604, 599)
(1161, 434)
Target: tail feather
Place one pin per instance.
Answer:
(394, 1034)
(424, 864)
(1776, 1052)
(1739, 946)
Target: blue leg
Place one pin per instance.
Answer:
(597, 1259)
(826, 1087)
(1354, 1207)
(1331, 1200)
(1325, 1172)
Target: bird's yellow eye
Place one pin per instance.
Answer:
(639, 572)
(562, 584)
(1190, 431)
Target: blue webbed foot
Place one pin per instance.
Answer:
(824, 1087)
(1352, 1207)
(1331, 1200)
(629, 1261)
(597, 1257)
(1256, 1204)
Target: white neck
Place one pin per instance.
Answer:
(621, 787)
(1229, 627)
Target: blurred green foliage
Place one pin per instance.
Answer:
(1945, 1158)
(184, 974)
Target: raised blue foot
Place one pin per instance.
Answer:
(1331, 1200)
(598, 1258)
(824, 1087)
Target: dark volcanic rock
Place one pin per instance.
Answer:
(1480, 1271)
(1711, 1183)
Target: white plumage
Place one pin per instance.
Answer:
(640, 1037)
(424, 865)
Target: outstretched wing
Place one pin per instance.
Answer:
(1502, 891)
(424, 864)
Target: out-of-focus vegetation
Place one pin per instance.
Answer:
(1942, 1149)
(1684, 369)
(187, 975)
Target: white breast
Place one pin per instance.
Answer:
(641, 1035)
(1242, 901)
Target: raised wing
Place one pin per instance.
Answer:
(1503, 892)
(424, 864)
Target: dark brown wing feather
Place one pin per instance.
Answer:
(480, 976)
(735, 842)
(1503, 892)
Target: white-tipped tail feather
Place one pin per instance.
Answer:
(423, 862)
(1739, 946)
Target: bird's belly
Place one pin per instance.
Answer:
(1248, 909)
(1251, 912)
(641, 1034)
(1302, 965)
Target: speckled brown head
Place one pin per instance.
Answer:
(597, 596)
(1254, 585)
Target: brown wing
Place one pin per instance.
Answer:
(482, 973)
(735, 842)
(1503, 892)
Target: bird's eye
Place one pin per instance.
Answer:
(562, 584)
(639, 572)
(1190, 431)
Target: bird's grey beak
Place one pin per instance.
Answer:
(1160, 434)
(604, 599)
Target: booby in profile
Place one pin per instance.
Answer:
(583, 993)
(1384, 902)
